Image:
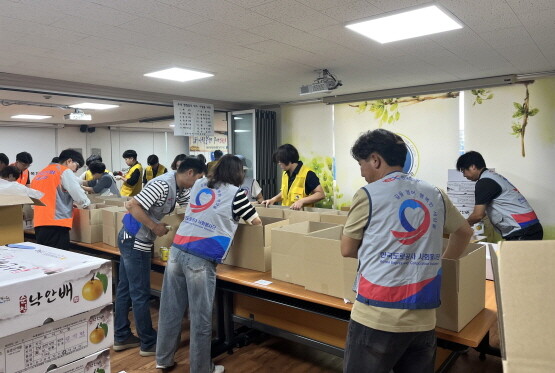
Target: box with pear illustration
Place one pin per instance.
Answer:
(41, 284)
(60, 343)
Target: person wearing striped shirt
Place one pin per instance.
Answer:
(200, 243)
(141, 226)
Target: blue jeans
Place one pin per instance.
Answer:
(133, 289)
(376, 351)
(189, 281)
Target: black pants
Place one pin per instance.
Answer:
(534, 234)
(53, 236)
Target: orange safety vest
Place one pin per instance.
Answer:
(59, 204)
(23, 179)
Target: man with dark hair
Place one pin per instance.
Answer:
(10, 173)
(61, 190)
(300, 187)
(4, 161)
(55, 160)
(102, 183)
(87, 175)
(154, 168)
(132, 180)
(507, 209)
(22, 161)
(141, 226)
(217, 155)
(395, 228)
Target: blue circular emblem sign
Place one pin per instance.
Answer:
(412, 161)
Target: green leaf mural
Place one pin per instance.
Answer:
(481, 95)
(522, 113)
(323, 168)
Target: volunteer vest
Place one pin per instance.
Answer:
(248, 183)
(510, 212)
(112, 190)
(208, 227)
(89, 176)
(400, 254)
(297, 190)
(23, 178)
(59, 204)
(133, 190)
(156, 213)
(150, 175)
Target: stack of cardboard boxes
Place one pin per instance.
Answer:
(55, 310)
(87, 224)
(461, 192)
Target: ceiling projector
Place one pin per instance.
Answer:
(78, 115)
(324, 83)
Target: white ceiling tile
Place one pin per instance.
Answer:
(526, 58)
(503, 38)
(226, 32)
(481, 16)
(249, 3)
(33, 13)
(357, 10)
(524, 6)
(294, 14)
(389, 6)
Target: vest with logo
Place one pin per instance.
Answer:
(59, 204)
(133, 190)
(297, 190)
(400, 254)
(209, 225)
(156, 213)
(248, 188)
(150, 175)
(510, 212)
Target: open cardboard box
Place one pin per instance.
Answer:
(524, 287)
(173, 221)
(463, 287)
(40, 283)
(11, 217)
(288, 250)
(327, 271)
(251, 247)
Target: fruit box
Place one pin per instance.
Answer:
(58, 343)
(40, 283)
(99, 362)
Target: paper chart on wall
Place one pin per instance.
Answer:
(193, 119)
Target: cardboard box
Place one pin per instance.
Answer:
(110, 235)
(109, 215)
(339, 219)
(173, 220)
(525, 304)
(89, 216)
(288, 250)
(327, 271)
(297, 216)
(489, 267)
(321, 210)
(251, 247)
(463, 290)
(86, 234)
(11, 217)
(58, 343)
(269, 212)
(462, 199)
(461, 186)
(97, 362)
(43, 283)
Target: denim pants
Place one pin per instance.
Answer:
(189, 281)
(133, 289)
(376, 351)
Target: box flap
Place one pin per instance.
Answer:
(12, 200)
(495, 268)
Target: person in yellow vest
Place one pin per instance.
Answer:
(87, 175)
(22, 161)
(61, 190)
(300, 187)
(132, 179)
(153, 169)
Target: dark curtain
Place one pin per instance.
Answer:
(266, 145)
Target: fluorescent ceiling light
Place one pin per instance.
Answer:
(178, 74)
(237, 118)
(241, 130)
(93, 106)
(31, 116)
(172, 125)
(406, 25)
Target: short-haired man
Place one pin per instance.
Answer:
(300, 186)
(61, 190)
(103, 183)
(4, 161)
(154, 168)
(395, 229)
(141, 227)
(217, 155)
(132, 180)
(10, 173)
(22, 161)
(507, 209)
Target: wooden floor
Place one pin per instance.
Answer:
(270, 354)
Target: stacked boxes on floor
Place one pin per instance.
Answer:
(55, 310)
(461, 192)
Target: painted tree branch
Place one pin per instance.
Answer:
(417, 99)
(524, 120)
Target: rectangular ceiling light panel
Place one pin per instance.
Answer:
(178, 74)
(31, 116)
(407, 25)
(93, 106)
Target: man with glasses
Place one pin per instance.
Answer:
(61, 190)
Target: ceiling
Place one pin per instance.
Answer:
(261, 51)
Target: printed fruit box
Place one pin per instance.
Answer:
(98, 362)
(58, 343)
(40, 283)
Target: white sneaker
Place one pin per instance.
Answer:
(218, 369)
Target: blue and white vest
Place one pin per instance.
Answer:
(400, 254)
(510, 212)
(209, 226)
